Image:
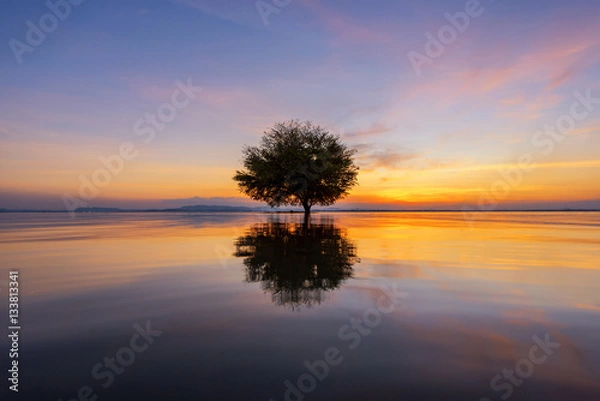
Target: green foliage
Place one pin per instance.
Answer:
(297, 164)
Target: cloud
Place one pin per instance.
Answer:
(227, 10)
(371, 157)
(585, 130)
(530, 107)
(507, 166)
(5, 133)
(228, 97)
(375, 129)
(343, 27)
(149, 88)
(558, 56)
(561, 78)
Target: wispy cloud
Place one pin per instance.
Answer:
(507, 166)
(371, 157)
(344, 28)
(554, 59)
(5, 133)
(375, 129)
(242, 13)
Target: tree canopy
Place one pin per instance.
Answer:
(297, 164)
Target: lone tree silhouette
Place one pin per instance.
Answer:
(297, 164)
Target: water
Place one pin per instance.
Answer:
(380, 306)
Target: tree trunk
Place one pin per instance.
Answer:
(306, 212)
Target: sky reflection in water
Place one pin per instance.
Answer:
(244, 299)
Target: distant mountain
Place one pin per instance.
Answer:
(217, 208)
(190, 208)
(198, 201)
(98, 210)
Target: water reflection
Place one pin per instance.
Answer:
(477, 296)
(297, 263)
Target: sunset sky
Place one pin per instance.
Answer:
(451, 135)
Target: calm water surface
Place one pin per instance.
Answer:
(246, 301)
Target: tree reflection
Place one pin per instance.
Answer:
(297, 262)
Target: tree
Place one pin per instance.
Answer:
(297, 164)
